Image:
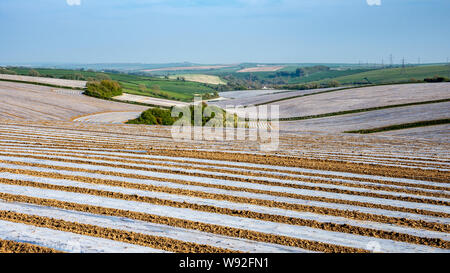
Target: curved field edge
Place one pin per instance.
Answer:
(401, 126)
(363, 110)
(335, 90)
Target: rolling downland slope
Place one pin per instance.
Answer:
(88, 187)
(20, 101)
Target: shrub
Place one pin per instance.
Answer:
(7, 71)
(158, 116)
(102, 76)
(33, 73)
(313, 85)
(436, 79)
(154, 116)
(103, 89)
(333, 83)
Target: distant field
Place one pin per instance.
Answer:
(258, 97)
(261, 69)
(175, 90)
(326, 75)
(391, 75)
(372, 119)
(179, 68)
(202, 78)
(133, 84)
(361, 98)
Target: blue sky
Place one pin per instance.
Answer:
(223, 31)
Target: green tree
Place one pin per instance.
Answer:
(103, 89)
(33, 73)
(102, 76)
(142, 87)
(333, 83)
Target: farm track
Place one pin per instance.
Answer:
(87, 180)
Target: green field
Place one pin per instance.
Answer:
(179, 90)
(133, 84)
(395, 75)
(202, 78)
(349, 76)
(169, 87)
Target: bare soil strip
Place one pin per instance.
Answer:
(244, 213)
(321, 164)
(105, 146)
(109, 233)
(7, 246)
(358, 168)
(216, 229)
(415, 163)
(269, 203)
(400, 187)
(82, 163)
(128, 224)
(121, 156)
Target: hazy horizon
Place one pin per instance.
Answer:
(224, 32)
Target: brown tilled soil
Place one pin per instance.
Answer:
(231, 198)
(159, 162)
(341, 191)
(16, 247)
(215, 229)
(294, 152)
(109, 233)
(247, 214)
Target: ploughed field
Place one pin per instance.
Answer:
(437, 132)
(372, 119)
(81, 187)
(341, 110)
(21, 101)
(87, 186)
(256, 97)
(362, 98)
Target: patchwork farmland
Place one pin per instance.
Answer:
(353, 109)
(77, 186)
